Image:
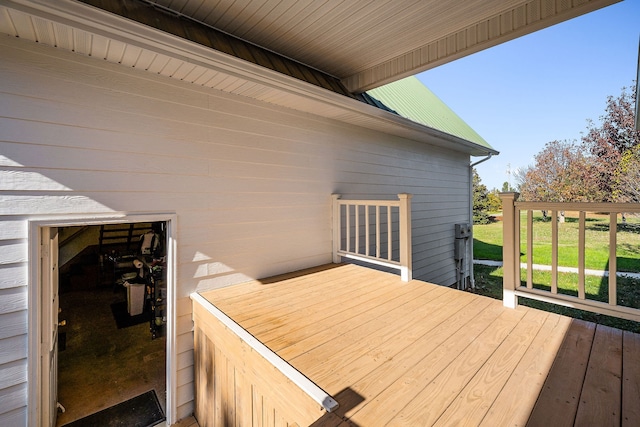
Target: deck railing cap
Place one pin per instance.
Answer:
(509, 195)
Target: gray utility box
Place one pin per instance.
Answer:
(463, 232)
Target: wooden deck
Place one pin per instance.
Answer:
(186, 422)
(394, 353)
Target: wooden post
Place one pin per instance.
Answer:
(336, 228)
(406, 269)
(510, 253)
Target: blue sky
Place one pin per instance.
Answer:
(541, 87)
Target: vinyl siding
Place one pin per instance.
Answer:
(250, 183)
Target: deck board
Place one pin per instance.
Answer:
(358, 344)
(476, 397)
(321, 308)
(395, 353)
(442, 390)
(309, 334)
(630, 384)
(521, 390)
(420, 367)
(601, 393)
(558, 402)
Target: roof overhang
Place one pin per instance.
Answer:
(76, 27)
(493, 23)
(367, 43)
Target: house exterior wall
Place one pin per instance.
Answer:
(249, 183)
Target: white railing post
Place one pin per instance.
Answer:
(510, 253)
(406, 249)
(336, 228)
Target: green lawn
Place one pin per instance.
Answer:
(487, 242)
(488, 282)
(487, 245)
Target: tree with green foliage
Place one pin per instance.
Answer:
(562, 173)
(480, 200)
(494, 201)
(506, 187)
(627, 177)
(603, 167)
(615, 139)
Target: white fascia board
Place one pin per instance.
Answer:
(97, 21)
(404, 127)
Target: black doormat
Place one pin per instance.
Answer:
(123, 320)
(141, 411)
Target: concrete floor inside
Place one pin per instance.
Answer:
(100, 364)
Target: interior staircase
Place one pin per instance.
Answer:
(122, 237)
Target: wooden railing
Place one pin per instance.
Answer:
(375, 231)
(512, 281)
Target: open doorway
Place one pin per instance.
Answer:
(113, 293)
(112, 298)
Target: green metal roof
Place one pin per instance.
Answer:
(411, 99)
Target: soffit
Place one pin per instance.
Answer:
(370, 43)
(75, 28)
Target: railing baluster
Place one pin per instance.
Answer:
(581, 252)
(378, 231)
(366, 229)
(389, 236)
(357, 228)
(529, 249)
(613, 232)
(348, 215)
(554, 252)
(516, 242)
